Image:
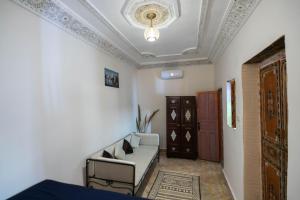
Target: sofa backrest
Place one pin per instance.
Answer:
(110, 148)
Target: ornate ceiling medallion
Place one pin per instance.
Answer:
(136, 12)
(143, 12)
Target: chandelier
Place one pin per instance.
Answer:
(151, 34)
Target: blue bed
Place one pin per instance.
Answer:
(53, 190)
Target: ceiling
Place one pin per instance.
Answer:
(198, 31)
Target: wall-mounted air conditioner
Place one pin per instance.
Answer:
(171, 74)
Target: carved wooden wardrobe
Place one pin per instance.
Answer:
(181, 127)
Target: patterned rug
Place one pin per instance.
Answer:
(174, 186)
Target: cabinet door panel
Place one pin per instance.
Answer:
(188, 110)
(187, 135)
(173, 115)
(173, 134)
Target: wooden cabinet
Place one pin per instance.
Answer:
(208, 130)
(181, 127)
(274, 130)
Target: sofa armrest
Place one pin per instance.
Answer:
(151, 139)
(112, 160)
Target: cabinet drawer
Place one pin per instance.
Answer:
(173, 101)
(173, 149)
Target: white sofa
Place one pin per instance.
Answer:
(124, 176)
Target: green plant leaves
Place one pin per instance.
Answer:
(142, 127)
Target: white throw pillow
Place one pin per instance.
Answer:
(119, 152)
(128, 138)
(135, 141)
(110, 149)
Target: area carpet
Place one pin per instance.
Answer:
(175, 186)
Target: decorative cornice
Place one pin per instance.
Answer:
(145, 55)
(55, 12)
(236, 16)
(96, 13)
(52, 11)
(177, 63)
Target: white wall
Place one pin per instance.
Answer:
(152, 91)
(54, 107)
(271, 20)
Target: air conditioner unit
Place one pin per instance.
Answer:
(171, 74)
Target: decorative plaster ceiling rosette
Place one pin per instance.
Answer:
(135, 12)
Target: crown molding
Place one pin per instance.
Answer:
(176, 63)
(108, 25)
(145, 55)
(55, 13)
(235, 17)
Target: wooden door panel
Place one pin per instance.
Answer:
(212, 108)
(202, 107)
(274, 130)
(272, 182)
(207, 146)
(270, 102)
(208, 141)
(204, 146)
(272, 153)
(208, 125)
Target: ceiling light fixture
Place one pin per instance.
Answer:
(151, 34)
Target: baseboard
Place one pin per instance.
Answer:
(228, 183)
(163, 150)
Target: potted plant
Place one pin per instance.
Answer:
(142, 125)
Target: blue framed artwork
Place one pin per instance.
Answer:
(111, 78)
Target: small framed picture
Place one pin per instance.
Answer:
(111, 78)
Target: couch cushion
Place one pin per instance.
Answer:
(127, 147)
(128, 138)
(107, 154)
(135, 141)
(142, 157)
(119, 152)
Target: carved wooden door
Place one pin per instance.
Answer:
(274, 130)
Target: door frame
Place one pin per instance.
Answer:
(220, 126)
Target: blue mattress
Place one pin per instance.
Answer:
(53, 190)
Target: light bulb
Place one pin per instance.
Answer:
(151, 34)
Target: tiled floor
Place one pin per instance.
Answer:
(212, 182)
